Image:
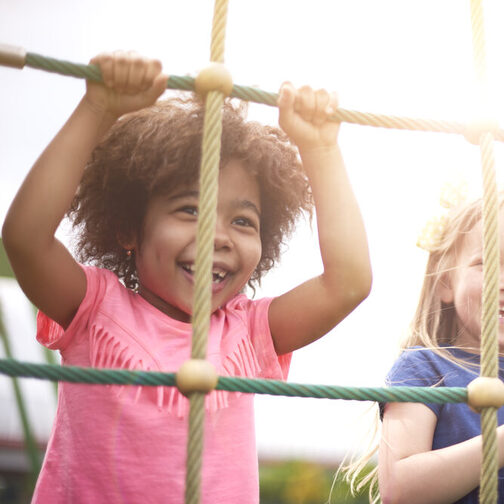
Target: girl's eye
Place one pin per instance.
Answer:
(245, 222)
(189, 209)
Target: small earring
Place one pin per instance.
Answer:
(129, 252)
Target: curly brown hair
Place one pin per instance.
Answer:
(150, 151)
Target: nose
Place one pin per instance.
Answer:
(222, 239)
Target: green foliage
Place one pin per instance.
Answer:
(303, 482)
(5, 268)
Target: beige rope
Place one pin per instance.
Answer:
(489, 318)
(208, 186)
(490, 295)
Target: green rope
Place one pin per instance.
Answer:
(256, 95)
(94, 376)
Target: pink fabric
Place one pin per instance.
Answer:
(116, 444)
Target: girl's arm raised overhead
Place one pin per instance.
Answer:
(310, 310)
(410, 471)
(46, 271)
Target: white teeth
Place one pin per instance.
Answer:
(218, 274)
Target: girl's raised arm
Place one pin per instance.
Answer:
(410, 471)
(46, 271)
(310, 310)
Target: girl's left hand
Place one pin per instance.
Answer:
(130, 82)
(304, 116)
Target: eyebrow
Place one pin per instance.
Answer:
(238, 203)
(190, 193)
(247, 204)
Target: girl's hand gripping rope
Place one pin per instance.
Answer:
(130, 82)
(304, 116)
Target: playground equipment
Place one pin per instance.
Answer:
(485, 394)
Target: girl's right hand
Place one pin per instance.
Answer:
(130, 82)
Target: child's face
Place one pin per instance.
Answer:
(466, 284)
(166, 257)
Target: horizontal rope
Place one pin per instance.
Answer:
(256, 95)
(74, 374)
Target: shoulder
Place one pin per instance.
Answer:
(250, 311)
(243, 328)
(99, 278)
(423, 367)
(102, 287)
(419, 367)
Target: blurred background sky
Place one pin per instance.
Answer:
(408, 58)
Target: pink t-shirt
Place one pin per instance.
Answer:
(125, 444)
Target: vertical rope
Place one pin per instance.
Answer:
(219, 31)
(490, 295)
(208, 186)
(489, 318)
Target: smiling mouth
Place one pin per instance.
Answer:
(218, 274)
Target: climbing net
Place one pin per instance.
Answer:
(196, 377)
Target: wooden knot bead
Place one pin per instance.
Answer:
(214, 77)
(196, 375)
(474, 129)
(485, 392)
(12, 56)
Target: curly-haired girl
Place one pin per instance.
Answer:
(126, 170)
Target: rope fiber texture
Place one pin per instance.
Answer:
(488, 493)
(256, 95)
(94, 376)
(209, 186)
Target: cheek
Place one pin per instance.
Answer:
(252, 254)
(469, 294)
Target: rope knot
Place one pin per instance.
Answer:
(12, 56)
(476, 128)
(196, 375)
(214, 77)
(485, 392)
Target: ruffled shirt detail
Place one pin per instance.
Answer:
(114, 344)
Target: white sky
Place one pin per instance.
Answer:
(397, 57)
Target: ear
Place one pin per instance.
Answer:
(127, 242)
(444, 289)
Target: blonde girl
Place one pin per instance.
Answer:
(431, 453)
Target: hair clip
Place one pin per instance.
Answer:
(452, 195)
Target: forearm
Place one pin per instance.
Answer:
(48, 189)
(342, 235)
(437, 476)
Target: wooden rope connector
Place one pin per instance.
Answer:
(12, 56)
(214, 77)
(196, 375)
(476, 128)
(484, 392)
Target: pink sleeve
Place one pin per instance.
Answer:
(51, 334)
(272, 365)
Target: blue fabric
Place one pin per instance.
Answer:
(420, 367)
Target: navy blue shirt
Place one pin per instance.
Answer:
(420, 367)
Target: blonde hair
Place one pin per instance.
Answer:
(433, 326)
